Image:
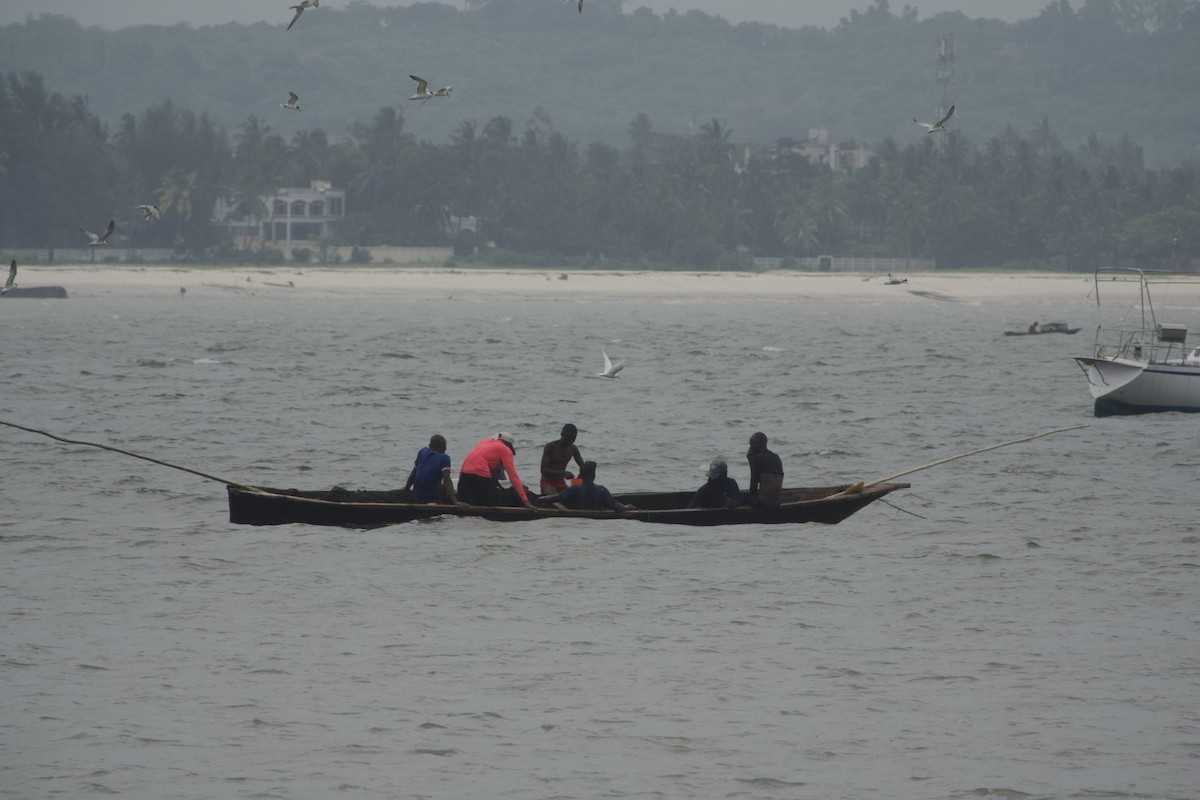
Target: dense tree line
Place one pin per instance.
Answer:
(1018, 198)
(1107, 67)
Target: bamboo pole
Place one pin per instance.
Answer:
(971, 453)
(151, 459)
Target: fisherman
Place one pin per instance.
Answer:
(430, 480)
(766, 473)
(479, 480)
(1034, 327)
(556, 456)
(719, 490)
(585, 496)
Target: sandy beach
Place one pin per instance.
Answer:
(434, 281)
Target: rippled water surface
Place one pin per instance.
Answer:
(1020, 623)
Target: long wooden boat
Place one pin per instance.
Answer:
(250, 505)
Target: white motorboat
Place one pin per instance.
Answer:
(1146, 366)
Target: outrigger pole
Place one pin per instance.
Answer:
(151, 459)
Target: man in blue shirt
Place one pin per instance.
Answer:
(431, 472)
(586, 496)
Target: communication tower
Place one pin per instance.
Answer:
(944, 74)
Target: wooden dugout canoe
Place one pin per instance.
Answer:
(365, 509)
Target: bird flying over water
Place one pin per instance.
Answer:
(299, 9)
(611, 368)
(149, 211)
(293, 102)
(937, 127)
(12, 276)
(103, 238)
(424, 95)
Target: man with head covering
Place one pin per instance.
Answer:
(720, 490)
(766, 473)
(555, 457)
(586, 496)
(479, 480)
(430, 477)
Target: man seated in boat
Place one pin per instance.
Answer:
(1034, 327)
(429, 481)
(479, 480)
(720, 490)
(766, 473)
(585, 496)
(555, 457)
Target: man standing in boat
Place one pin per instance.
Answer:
(555, 457)
(430, 480)
(479, 480)
(766, 473)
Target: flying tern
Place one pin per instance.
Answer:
(293, 102)
(939, 126)
(611, 368)
(149, 211)
(102, 238)
(299, 9)
(424, 95)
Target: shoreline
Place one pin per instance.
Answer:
(146, 280)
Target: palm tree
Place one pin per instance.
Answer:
(797, 224)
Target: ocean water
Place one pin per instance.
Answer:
(1020, 623)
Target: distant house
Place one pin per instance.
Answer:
(816, 150)
(294, 216)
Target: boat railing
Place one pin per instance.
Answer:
(1147, 345)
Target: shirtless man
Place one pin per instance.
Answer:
(766, 473)
(555, 457)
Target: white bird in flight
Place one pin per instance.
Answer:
(611, 368)
(424, 95)
(12, 276)
(299, 9)
(293, 102)
(149, 211)
(102, 239)
(937, 127)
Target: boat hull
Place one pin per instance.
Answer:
(348, 509)
(1123, 386)
(44, 292)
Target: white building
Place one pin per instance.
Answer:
(294, 216)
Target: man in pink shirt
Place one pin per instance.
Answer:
(479, 480)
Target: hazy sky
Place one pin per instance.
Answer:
(789, 13)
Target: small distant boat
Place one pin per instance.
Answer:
(1049, 327)
(1148, 368)
(37, 291)
(367, 509)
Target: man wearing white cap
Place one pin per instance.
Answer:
(720, 490)
(479, 483)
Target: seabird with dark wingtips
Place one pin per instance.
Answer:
(103, 238)
(299, 9)
(424, 95)
(939, 126)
